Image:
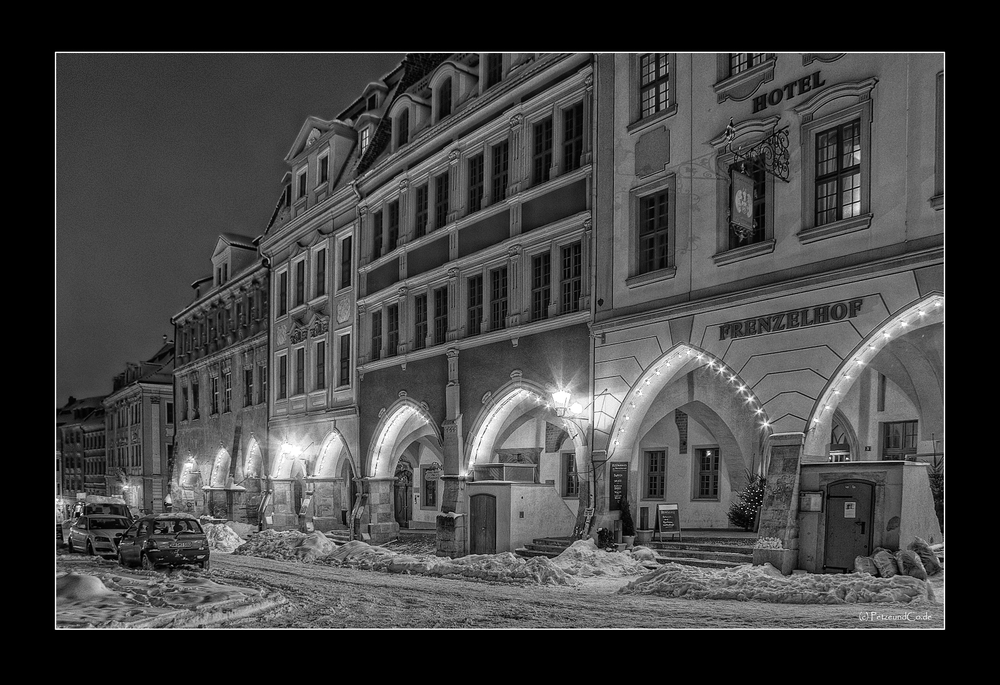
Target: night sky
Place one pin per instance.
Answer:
(156, 155)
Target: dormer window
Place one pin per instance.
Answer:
(444, 99)
(403, 128)
(494, 68)
(365, 133)
(221, 274)
(324, 168)
(302, 184)
(372, 101)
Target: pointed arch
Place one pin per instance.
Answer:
(404, 422)
(504, 408)
(332, 453)
(924, 312)
(252, 461)
(220, 469)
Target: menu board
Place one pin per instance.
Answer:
(619, 484)
(668, 518)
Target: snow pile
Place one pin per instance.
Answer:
(221, 538)
(502, 568)
(79, 587)
(313, 546)
(272, 544)
(242, 529)
(583, 558)
(766, 584)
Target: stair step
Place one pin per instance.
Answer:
(525, 552)
(702, 563)
(701, 547)
(708, 556)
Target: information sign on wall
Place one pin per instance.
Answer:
(619, 484)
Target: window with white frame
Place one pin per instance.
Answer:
(571, 282)
(303, 179)
(499, 164)
(541, 151)
(346, 261)
(392, 330)
(420, 321)
(320, 355)
(300, 282)
(498, 298)
(654, 474)
(899, 440)
(282, 372)
(475, 179)
(402, 128)
(324, 168)
(376, 328)
(654, 229)
(281, 293)
(393, 228)
(475, 305)
(441, 200)
(319, 284)
(570, 477)
(344, 368)
(494, 68)
(364, 135)
(300, 371)
(227, 392)
(420, 211)
(653, 87)
(742, 61)
(214, 387)
(572, 137)
(376, 235)
(444, 92)
(706, 473)
(541, 279)
(440, 315)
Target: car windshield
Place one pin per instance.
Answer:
(108, 523)
(175, 526)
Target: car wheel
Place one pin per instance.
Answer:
(90, 548)
(206, 565)
(147, 563)
(121, 560)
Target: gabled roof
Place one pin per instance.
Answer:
(234, 239)
(313, 128)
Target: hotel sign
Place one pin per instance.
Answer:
(795, 318)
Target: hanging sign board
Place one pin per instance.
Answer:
(742, 201)
(619, 484)
(668, 518)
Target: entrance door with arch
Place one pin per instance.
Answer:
(403, 494)
(849, 518)
(483, 524)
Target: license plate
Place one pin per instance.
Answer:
(183, 545)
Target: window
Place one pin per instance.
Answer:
(571, 480)
(376, 351)
(494, 68)
(365, 134)
(475, 284)
(194, 398)
(282, 377)
(300, 371)
(321, 272)
(283, 293)
(654, 83)
(498, 175)
(393, 225)
(346, 256)
(320, 365)
(838, 173)
(372, 101)
(392, 330)
(707, 473)
(741, 61)
(420, 222)
(403, 128)
(247, 387)
(541, 158)
(441, 200)
(420, 321)
(880, 397)
(345, 360)
(498, 299)
(429, 486)
(572, 277)
(440, 315)
(654, 232)
(899, 440)
(214, 386)
(541, 274)
(262, 375)
(300, 283)
(444, 99)
(376, 235)
(227, 392)
(302, 184)
(656, 474)
(573, 137)
(324, 168)
(170, 412)
(475, 183)
(184, 404)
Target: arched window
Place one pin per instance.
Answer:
(444, 99)
(403, 128)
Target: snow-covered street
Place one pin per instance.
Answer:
(402, 586)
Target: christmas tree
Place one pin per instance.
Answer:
(743, 512)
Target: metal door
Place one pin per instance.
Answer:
(849, 516)
(483, 521)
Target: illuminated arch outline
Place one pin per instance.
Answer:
(658, 375)
(332, 454)
(924, 312)
(220, 469)
(404, 418)
(500, 407)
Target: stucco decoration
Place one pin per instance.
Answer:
(343, 310)
(313, 136)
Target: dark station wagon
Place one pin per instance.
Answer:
(164, 540)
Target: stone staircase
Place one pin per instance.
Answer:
(704, 549)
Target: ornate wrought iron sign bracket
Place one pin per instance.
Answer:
(771, 153)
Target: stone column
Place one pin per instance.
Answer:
(779, 512)
(382, 526)
(514, 303)
(405, 225)
(455, 201)
(515, 155)
(452, 519)
(588, 119)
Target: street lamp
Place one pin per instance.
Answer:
(561, 403)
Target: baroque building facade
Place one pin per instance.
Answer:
(220, 388)
(80, 451)
(769, 291)
(139, 428)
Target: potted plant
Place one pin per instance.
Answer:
(628, 526)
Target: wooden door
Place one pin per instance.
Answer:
(483, 522)
(403, 495)
(849, 519)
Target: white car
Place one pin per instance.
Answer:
(97, 534)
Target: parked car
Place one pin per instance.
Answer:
(94, 504)
(164, 539)
(97, 534)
